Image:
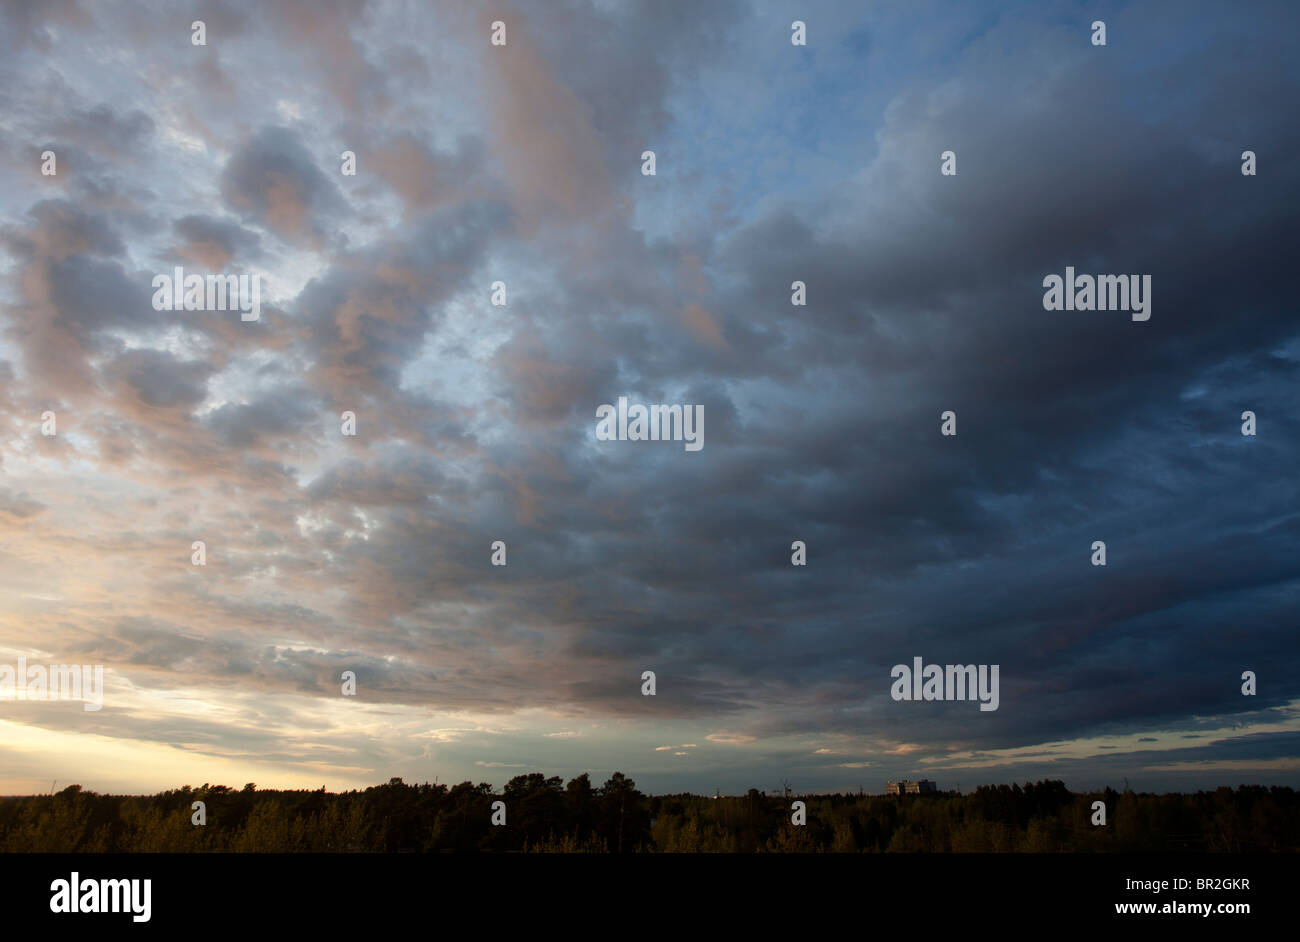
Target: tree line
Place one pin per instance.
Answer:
(546, 815)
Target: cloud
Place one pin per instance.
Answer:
(475, 422)
(273, 181)
(213, 243)
(735, 739)
(15, 509)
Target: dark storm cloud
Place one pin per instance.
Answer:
(977, 548)
(106, 133)
(275, 182)
(159, 380)
(145, 641)
(73, 289)
(365, 319)
(281, 411)
(61, 229)
(215, 242)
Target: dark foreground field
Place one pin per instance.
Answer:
(545, 815)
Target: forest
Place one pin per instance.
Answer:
(545, 815)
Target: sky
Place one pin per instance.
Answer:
(477, 422)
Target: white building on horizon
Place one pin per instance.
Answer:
(921, 787)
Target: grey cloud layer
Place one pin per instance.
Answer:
(475, 422)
